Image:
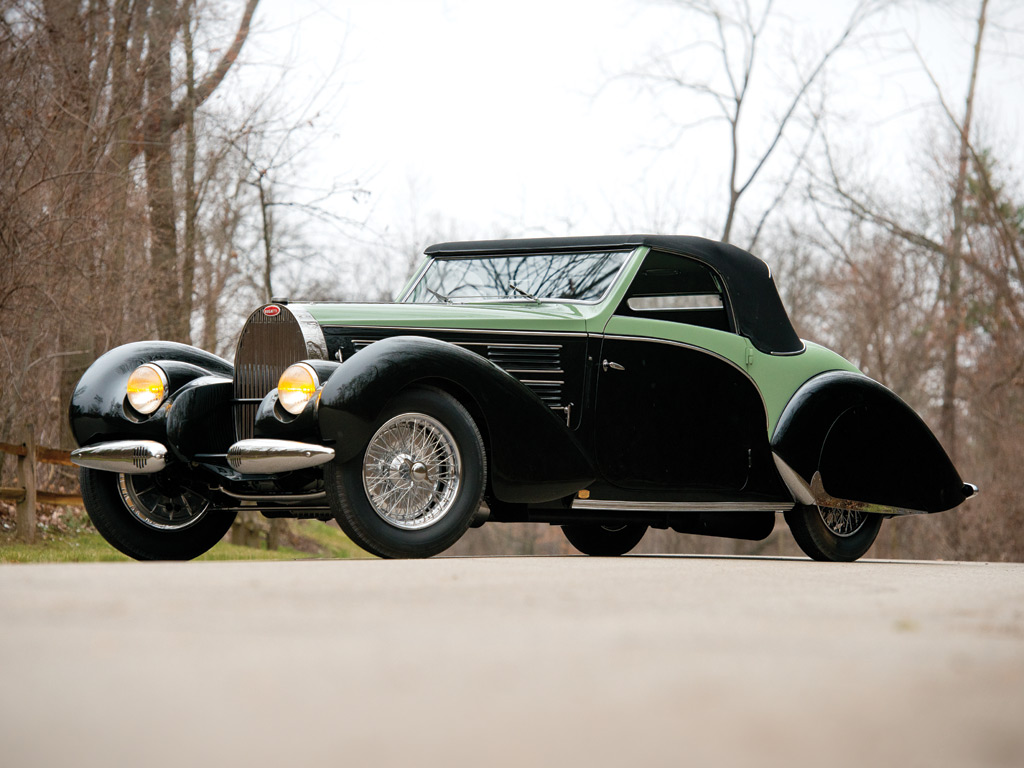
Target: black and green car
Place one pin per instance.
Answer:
(603, 384)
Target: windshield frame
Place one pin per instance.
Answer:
(628, 254)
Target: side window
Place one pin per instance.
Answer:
(675, 288)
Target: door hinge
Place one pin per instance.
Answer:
(750, 356)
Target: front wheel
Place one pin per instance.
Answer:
(152, 517)
(836, 535)
(415, 487)
(604, 540)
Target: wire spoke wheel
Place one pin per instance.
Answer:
(411, 471)
(842, 522)
(416, 486)
(829, 534)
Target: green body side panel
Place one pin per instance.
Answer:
(780, 376)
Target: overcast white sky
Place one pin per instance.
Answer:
(505, 118)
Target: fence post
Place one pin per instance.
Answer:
(26, 508)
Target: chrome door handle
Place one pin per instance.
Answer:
(605, 365)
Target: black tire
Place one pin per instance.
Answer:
(833, 535)
(389, 501)
(604, 540)
(136, 515)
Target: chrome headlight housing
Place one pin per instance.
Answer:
(147, 388)
(296, 387)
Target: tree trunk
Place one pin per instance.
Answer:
(188, 267)
(268, 264)
(954, 259)
(166, 288)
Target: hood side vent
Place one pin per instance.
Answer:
(538, 366)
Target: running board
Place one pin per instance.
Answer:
(615, 505)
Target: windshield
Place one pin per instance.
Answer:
(564, 276)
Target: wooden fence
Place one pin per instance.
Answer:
(248, 530)
(28, 495)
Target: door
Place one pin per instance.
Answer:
(674, 418)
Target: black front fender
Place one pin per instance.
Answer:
(98, 410)
(532, 454)
(867, 444)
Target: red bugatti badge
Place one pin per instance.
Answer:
(272, 311)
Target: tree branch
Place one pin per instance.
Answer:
(205, 89)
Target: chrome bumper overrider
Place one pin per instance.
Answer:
(129, 457)
(268, 457)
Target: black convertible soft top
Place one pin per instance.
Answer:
(755, 300)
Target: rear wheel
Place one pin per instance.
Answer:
(830, 534)
(604, 540)
(152, 517)
(415, 487)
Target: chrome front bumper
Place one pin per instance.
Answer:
(250, 457)
(129, 457)
(268, 457)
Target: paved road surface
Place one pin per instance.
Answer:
(513, 661)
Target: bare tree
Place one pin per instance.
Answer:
(947, 246)
(961, 275)
(163, 118)
(736, 63)
(89, 232)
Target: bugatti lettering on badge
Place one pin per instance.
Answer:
(272, 311)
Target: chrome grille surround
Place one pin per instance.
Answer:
(266, 346)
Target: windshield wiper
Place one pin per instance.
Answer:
(517, 289)
(437, 295)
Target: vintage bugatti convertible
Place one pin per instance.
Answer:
(603, 384)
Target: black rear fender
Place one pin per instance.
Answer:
(867, 444)
(532, 454)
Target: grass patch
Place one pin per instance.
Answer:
(329, 538)
(65, 535)
(80, 548)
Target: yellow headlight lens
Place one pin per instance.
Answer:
(147, 388)
(296, 386)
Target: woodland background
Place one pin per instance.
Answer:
(134, 205)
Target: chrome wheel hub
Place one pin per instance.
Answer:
(411, 471)
(841, 522)
(153, 507)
